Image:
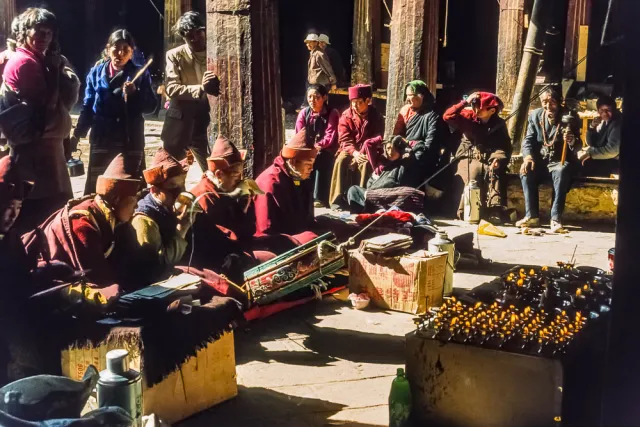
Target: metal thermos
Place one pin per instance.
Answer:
(120, 386)
(442, 243)
(471, 200)
(75, 167)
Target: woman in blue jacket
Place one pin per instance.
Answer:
(113, 108)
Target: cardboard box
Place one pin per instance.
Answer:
(201, 382)
(411, 283)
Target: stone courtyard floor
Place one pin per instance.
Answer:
(326, 364)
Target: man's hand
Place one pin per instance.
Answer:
(595, 122)
(472, 98)
(583, 156)
(129, 87)
(54, 60)
(495, 164)
(569, 137)
(211, 83)
(527, 165)
(360, 158)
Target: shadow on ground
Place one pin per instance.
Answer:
(320, 345)
(260, 407)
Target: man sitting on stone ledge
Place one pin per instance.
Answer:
(600, 158)
(542, 150)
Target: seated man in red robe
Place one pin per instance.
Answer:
(285, 210)
(360, 133)
(223, 234)
(82, 234)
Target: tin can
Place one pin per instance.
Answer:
(120, 386)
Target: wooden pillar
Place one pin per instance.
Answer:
(242, 49)
(7, 13)
(510, 44)
(366, 41)
(414, 51)
(579, 15)
(173, 9)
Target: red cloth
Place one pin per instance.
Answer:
(84, 245)
(362, 133)
(406, 113)
(25, 73)
(286, 208)
(390, 218)
(263, 311)
(360, 91)
(489, 100)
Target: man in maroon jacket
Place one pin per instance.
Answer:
(285, 210)
(223, 238)
(360, 133)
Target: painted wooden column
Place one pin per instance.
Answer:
(578, 19)
(510, 45)
(173, 9)
(366, 41)
(243, 50)
(7, 13)
(414, 51)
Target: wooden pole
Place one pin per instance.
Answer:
(414, 51)
(579, 14)
(173, 9)
(7, 13)
(622, 374)
(366, 41)
(510, 44)
(540, 16)
(242, 49)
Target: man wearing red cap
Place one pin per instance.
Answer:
(485, 149)
(159, 230)
(82, 234)
(360, 133)
(223, 234)
(286, 207)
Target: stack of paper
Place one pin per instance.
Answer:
(387, 243)
(176, 285)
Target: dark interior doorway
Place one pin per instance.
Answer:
(470, 55)
(297, 18)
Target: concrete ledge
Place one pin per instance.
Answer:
(590, 199)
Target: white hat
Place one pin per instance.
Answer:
(324, 38)
(311, 38)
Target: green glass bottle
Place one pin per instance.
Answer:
(399, 401)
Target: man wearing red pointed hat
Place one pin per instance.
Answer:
(223, 233)
(485, 148)
(286, 207)
(159, 240)
(82, 234)
(360, 133)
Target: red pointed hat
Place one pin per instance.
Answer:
(299, 147)
(117, 179)
(13, 186)
(490, 100)
(164, 167)
(360, 91)
(224, 154)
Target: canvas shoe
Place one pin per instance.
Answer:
(556, 227)
(528, 222)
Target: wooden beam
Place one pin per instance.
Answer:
(7, 13)
(579, 14)
(366, 41)
(510, 44)
(414, 51)
(173, 9)
(242, 49)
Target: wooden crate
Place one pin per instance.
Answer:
(202, 381)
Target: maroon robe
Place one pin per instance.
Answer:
(286, 208)
(82, 236)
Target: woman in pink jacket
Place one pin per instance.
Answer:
(321, 124)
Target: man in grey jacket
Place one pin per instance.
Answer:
(600, 158)
(187, 85)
